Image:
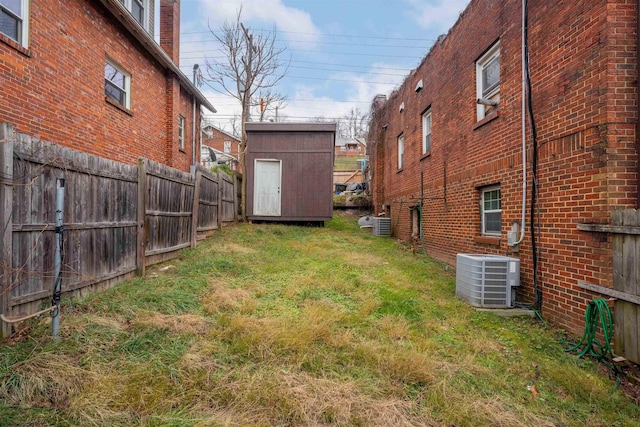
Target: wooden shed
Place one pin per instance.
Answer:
(290, 171)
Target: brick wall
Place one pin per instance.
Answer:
(218, 139)
(583, 65)
(54, 89)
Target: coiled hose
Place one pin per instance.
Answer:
(597, 316)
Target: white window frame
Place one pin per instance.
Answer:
(227, 147)
(400, 151)
(426, 131)
(181, 125)
(127, 84)
(494, 93)
(23, 22)
(492, 210)
(145, 4)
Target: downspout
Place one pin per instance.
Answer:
(524, 129)
(195, 102)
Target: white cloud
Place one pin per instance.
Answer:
(296, 25)
(310, 100)
(437, 15)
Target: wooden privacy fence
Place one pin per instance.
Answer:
(118, 218)
(625, 228)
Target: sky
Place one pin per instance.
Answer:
(342, 52)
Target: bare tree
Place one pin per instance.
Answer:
(252, 64)
(354, 124)
(236, 125)
(269, 104)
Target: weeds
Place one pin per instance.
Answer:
(266, 325)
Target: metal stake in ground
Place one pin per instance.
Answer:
(57, 260)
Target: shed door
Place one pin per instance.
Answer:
(266, 187)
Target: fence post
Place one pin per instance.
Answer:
(220, 193)
(6, 223)
(196, 206)
(236, 188)
(142, 210)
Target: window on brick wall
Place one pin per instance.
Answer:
(181, 132)
(139, 9)
(491, 210)
(400, 151)
(488, 81)
(426, 131)
(14, 20)
(227, 146)
(117, 84)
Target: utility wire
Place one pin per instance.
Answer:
(319, 34)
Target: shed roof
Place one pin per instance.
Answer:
(290, 127)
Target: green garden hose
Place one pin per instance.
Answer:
(597, 316)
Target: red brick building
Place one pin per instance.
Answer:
(446, 147)
(224, 143)
(87, 74)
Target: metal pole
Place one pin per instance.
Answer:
(193, 136)
(57, 260)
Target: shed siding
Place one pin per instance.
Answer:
(307, 171)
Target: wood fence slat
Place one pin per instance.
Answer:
(6, 209)
(142, 203)
(195, 207)
(626, 273)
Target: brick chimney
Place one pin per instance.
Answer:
(170, 28)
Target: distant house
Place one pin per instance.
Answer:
(88, 75)
(351, 147)
(212, 157)
(225, 144)
(455, 172)
(290, 171)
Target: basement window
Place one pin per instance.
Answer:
(14, 20)
(117, 85)
(491, 210)
(415, 222)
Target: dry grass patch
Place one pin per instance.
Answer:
(47, 379)
(220, 297)
(269, 397)
(180, 324)
(392, 327)
(235, 248)
(123, 393)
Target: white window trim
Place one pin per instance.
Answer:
(145, 18)
(483, 211)
(400, 151)
(493, 52)
(24, 24)
(181, 129)
(427, 122)
(127, 84)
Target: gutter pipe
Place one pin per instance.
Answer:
(524, 129)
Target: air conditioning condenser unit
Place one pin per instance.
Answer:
(487, 281)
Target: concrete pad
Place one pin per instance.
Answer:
(509, 312)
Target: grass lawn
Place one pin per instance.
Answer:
(273, 325)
